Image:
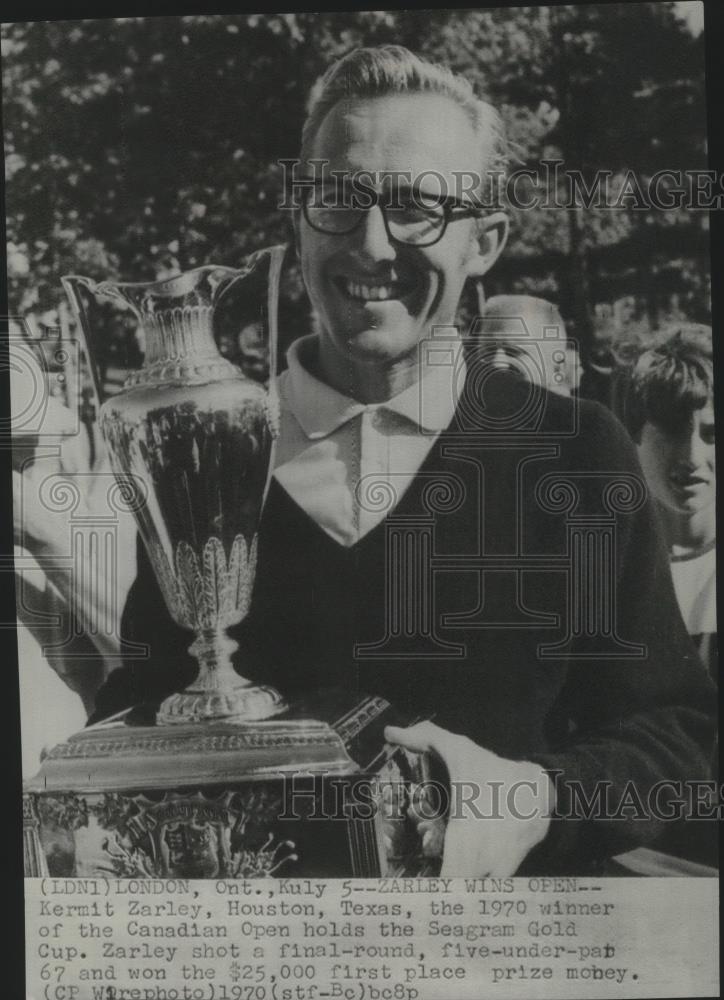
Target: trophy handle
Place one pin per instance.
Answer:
(276, 256)
(72, 283)
(276, 259)
(275, 271)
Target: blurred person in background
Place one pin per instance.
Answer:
(670, 413)
(54, 703)
(57, 611)
(527, 335)
(669, 409)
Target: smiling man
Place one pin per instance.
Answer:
(416, 533)
(380, 279)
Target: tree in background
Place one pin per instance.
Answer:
(136, 147)
(617, 88)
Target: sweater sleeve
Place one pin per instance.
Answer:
(641, 728)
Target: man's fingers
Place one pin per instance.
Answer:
(461, 756)
(422, 737)
(409, 738)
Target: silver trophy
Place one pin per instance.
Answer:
(200, 435)
(206, 788)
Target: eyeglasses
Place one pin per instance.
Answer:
(411, 217)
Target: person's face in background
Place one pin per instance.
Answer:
(526, 334)
(549, 362)
(226, 344)
(540, 362)
(253, 352)
(680, 466)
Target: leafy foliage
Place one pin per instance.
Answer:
(139, 146)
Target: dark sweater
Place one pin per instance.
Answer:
(594, 708)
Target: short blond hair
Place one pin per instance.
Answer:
(393, 69)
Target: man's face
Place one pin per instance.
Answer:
(375, 298)
(679, 467)
(541, 362)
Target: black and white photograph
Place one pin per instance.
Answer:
(362, 434)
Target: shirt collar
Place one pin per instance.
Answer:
(319, 409)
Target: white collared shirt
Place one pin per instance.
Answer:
(345, 463)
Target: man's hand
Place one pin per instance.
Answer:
(499, 809)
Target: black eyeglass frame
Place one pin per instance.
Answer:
(453, 209)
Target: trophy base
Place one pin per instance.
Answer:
(315, 793)
(250, 703)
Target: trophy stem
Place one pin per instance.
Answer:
(218, 691)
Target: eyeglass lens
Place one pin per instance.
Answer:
(410, 218)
